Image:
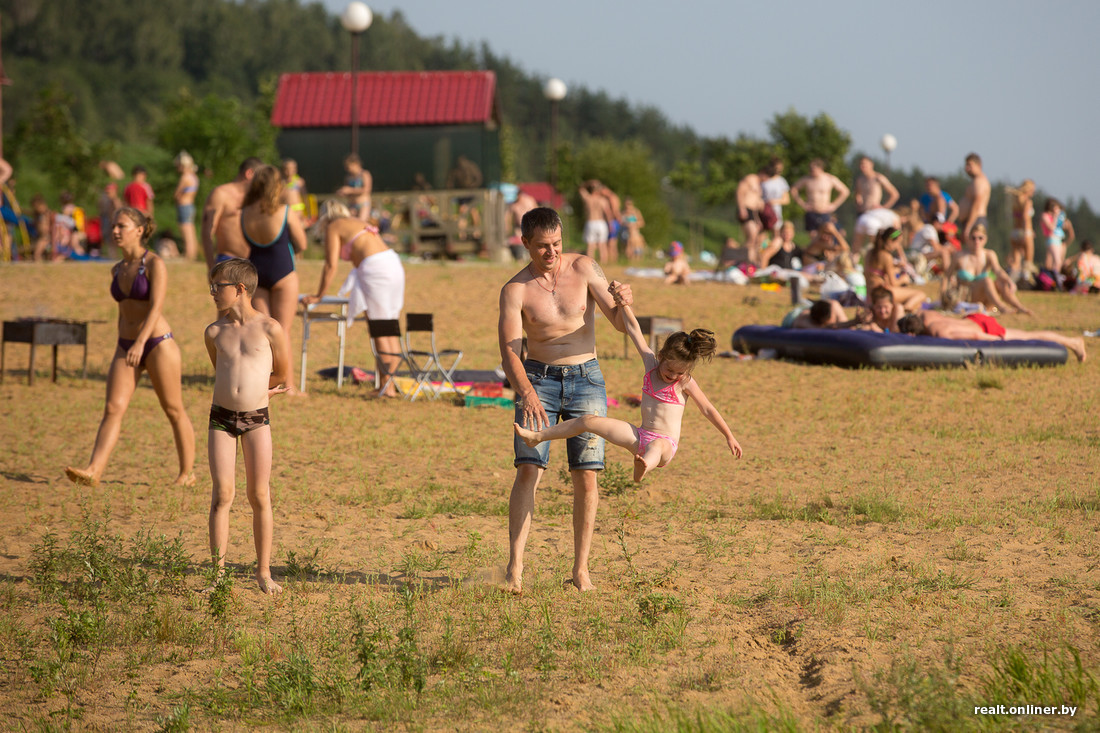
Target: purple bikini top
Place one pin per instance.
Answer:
(139, 289)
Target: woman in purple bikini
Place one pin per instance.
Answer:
(139, 285)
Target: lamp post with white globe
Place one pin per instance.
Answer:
(356, 18)
(888, 143)
(554, 90)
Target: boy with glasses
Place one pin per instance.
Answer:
(251, 357)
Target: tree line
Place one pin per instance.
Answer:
(141, 79)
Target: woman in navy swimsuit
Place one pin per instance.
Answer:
(145, 341)
(274, 234)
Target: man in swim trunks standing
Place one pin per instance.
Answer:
(973, 209)
(553, 300)
(980, 327)
(251, 358)
(750, 201)
(597, 212)
(819, 204)
(221, 217)
(870, 185)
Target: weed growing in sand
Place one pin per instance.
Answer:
(615, 479)
(291, 684)
(1060, 677)
(303, 567)
(219, 595)
(752, 719)
(46, 564)
(386, 661)
(178, 720)
(988, 381)
(910, 695)
(962, 552)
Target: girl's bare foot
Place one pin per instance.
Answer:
(640, 469)
(185, 479)
(530, 437)
(83, 477)
(269, 586)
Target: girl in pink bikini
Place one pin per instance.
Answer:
(665, 388)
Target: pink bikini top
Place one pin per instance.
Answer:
(345, 251)
(665, 394)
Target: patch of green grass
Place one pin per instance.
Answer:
(876, 507)
(753, 718)
(455, 506)
(987, 380)
(909, 695)
(962, 552)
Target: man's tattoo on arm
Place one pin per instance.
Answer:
(598, 269)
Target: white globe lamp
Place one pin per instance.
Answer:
(888, 143)
(357, 17)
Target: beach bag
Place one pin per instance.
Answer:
(1046, 280)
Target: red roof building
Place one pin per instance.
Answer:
(387, 99)
(410, 122)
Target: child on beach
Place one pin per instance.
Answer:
(665, 387)
(251, 358)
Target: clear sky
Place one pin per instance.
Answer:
(1013, 81)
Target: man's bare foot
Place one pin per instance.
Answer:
(640, 469)
(1077, 346)
(185, 479)
(513, 581)
(580, 581)
(530, 437)
(82, 477)
(269, 586)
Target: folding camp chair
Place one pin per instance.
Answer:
(405, 367)
(431, 364)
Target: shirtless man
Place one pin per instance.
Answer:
(981, 327)
(221, 217)
(750, 200)
(597, 212)
(524, 202)
(975, 202)
(870, 185)
(819, 204)
(552, 300)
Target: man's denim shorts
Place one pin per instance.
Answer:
(566, 392)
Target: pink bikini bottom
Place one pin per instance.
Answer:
(645, 437)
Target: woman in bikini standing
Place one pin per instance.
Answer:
(376, 283)
(274, 233)
(1021, 260)
(140, 285)
(186, 190)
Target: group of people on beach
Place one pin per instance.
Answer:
(251, 231)
(553, 300)
(609, 219)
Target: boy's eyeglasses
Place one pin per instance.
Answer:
(214, 287)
